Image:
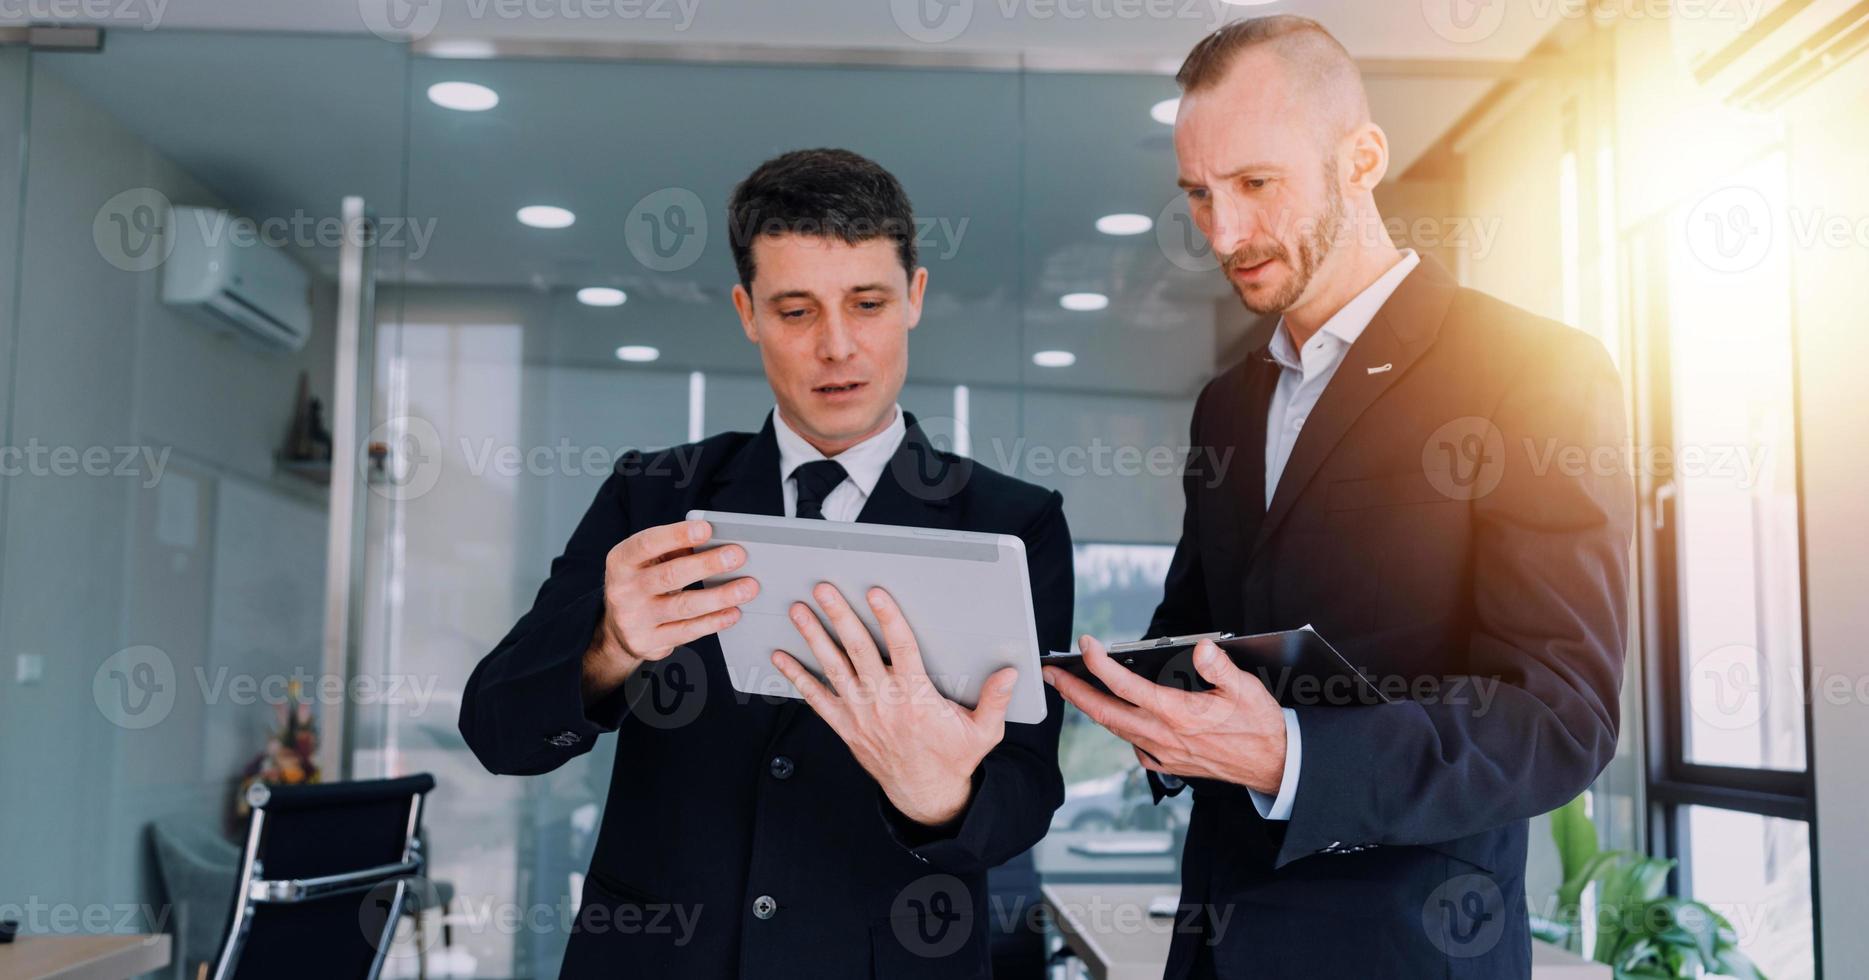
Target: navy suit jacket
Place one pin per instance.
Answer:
(1456, 519)
(719, 800)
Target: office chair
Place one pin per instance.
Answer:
(326, 873)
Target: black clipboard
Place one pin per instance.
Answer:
(1298, 667)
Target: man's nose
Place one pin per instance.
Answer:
(835, 341)
(1231, 226)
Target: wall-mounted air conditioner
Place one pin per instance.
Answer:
(220, 268)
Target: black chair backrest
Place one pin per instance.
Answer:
(323, 880)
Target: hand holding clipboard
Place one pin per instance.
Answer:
(1298, 667)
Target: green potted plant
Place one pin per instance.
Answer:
(1641, 931)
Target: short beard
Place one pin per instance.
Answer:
(1314, 246)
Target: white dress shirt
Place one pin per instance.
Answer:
(1303, 376)
(863, 466)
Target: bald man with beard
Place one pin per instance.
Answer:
(1397, 492)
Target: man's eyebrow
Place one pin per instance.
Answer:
(1248, 168)
(870, 287)
(790, 294)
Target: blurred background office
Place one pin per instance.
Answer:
(487, 241)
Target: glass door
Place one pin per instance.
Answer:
(169, 310)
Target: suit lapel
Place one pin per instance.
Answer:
(1402, 329)
(750, 483)
(1246, 421)
(918, 486)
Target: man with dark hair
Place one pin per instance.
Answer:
(1399, 498)
(847, 836)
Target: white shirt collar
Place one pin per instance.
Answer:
(1350, 322)
(863, 463)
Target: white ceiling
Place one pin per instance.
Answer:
(1013, 167)
(1149, 31)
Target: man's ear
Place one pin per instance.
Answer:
(743, 305)
(918, 287)
(1369, 157)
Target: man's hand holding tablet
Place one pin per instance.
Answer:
(649, 609)
(920, 747)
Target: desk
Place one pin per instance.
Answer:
(69, 957)
(1111, 931)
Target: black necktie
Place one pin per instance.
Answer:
(816, 480)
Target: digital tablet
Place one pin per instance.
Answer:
(1297, 666)
(966, 595)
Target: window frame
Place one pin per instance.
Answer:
(1673, 783)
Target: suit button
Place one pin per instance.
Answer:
(782, 767)
(564, 739)
(765, 906)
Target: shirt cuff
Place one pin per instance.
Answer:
(1279, 807)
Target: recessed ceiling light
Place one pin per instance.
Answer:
(462, 48)
(637, 353)
(546, 216)
(601, 296)
(1164, 111)
(1083, 302)
(1124, 224)
(464, 96)
(1054, 358)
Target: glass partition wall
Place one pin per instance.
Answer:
(518, 362)
(1071, 318)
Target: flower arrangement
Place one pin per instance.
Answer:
(289, 758)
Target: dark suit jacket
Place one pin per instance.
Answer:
(718, 798)
(1433, 522)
